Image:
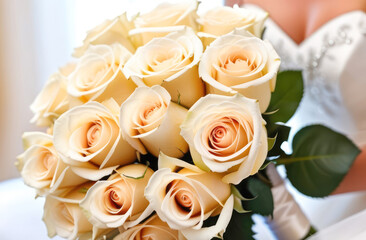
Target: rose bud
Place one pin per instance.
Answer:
(171, 62)
(119, 200)
(152, 229)
(88, 138)
(240, 63)
(41, 166)
(149, 120)
(227, 135)
(186, 198)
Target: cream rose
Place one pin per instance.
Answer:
(186, 198)
(226, 134)
(240, 63)
(88, 137)
(164, 19)
(152, 229)
(110, 31)
(52, 101)
(150, 121)
(98, 75)
(119, 200)
(171, 62)
(42, 168)
(65, 218)
(222, 20)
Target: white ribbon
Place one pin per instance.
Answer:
(289, 222)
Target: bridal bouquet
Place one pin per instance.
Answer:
(162, 125)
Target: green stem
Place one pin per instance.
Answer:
(280, 161)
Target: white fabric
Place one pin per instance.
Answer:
(333, 60)
(333, 63)
(20, 213)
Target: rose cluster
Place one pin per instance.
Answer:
(165, 84)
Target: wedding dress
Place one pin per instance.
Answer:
(333, 63)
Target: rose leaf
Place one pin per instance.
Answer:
(320, 160)
(240, 227)
(286, 97)
(262, 203)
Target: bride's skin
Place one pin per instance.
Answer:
(299, 19)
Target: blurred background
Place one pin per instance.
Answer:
(37, 37)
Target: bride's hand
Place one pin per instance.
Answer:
(355, 180)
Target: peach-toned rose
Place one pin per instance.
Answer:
(88, 137)
(226, 134)
(171, 62)
(65, 218)
(98, 75)
(42, 168)
(152, 229)
(52, 101)
(119, 200)
(164, 19)
(185, 198)
(149, 120)
(108, 32)
(240, 63)
(222, 20)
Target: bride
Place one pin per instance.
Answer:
(327, 40)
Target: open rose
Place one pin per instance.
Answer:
(120, 199)
(240, 63)
(42, 168)
(226, 134)
(185, 198)
(149, 120)
(65, 218)
(110, 31)
(52, 101)
(222, 20)
(164, 19)
(171, 62)
(152, 229)
(98, 75)
(88, 137)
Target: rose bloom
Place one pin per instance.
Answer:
(164, 19)
(171, 62)
(98, 75)
(110, 31)
(52, 101)
(240, 63)
(185, 198)
(88, 138)
(222, 20)
(42, 168)
(120, 199)
(226, 134)
(149, 120)
(64, 217)
(152, 229)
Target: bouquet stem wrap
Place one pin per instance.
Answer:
(289, 221)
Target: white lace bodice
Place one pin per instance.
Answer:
(333, 60)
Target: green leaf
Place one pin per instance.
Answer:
(286, 97)
(271, 142)
(281, 132)
(263, 201)
(238, 198)
(320, 160)
(240, 227)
